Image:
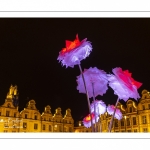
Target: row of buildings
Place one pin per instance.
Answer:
(30, 119)
(136, 117)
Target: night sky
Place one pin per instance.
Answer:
(29, 48)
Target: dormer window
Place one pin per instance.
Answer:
(26, 116)
(35, 117)
(130, 109)
(143, 106)
(8, 105)
(7, 113)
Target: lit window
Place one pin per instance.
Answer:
(134, 120)
(35, 126)
(144, 120)
(44, 127)
(7, 113)
(144, 129)
(24, 125)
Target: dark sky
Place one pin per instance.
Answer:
(29, 48)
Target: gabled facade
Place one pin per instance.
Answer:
(136, 117)
(30, 119)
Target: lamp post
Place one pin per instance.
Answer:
(125, 123)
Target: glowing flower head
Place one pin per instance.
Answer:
(87, 120)
(100, 107)
(97, 77)
(123, 84)
(74, 52)
(118, 114)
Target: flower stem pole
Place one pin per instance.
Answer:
(112, 118)
(94, 106)
(87, 96)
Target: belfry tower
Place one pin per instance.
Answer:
(13, 95)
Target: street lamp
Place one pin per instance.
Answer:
(125, 123)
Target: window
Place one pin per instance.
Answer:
(122, 122)
(26, 116)
(135, 130)
(7, 113)
(5, 130)
(122, 131)
(0, 113)
(44, 127)
(70, 129)
(129, 130)
(35, 126)
(60, 129)
(144, 120)
(144, 129)
(50, 127)
(35, 117)
(8, 105)
(116, 123)
(14, 114)
(130, 109)
(24, 125)
(134, 120)
(128, 122)
(44, 119)
(143, 106)
(148, 106)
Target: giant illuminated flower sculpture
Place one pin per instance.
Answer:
(111, 109)
(124, 87)
(74, 52)
(87, 120)
(123, 84)
(95, 79)
(96, 83)
(100, 107)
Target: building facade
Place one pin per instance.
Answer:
(136, 117)
(30, 119)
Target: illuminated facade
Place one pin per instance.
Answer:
(30, 119)
(136, 117)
